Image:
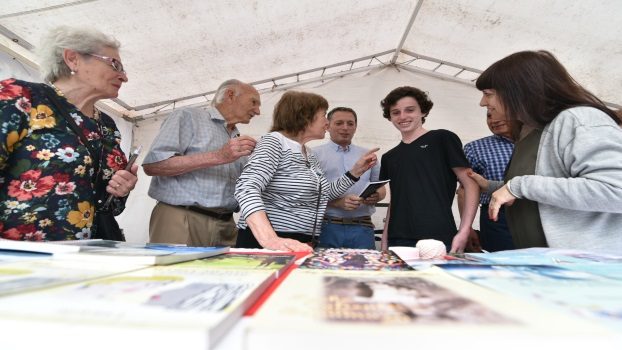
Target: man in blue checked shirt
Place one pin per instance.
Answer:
(347, 223)
(489, 156)
(195, 161)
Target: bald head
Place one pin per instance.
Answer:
(238, 102)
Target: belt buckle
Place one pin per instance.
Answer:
(348, 221)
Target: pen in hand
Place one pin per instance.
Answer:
(133, 156)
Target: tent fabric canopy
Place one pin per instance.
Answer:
(353, 52)
(174, 50)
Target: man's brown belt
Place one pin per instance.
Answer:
(210, 213)
(360, 220)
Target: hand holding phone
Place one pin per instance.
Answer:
(133, 156)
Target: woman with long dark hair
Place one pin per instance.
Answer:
(564, 182)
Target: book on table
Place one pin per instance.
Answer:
(372, 187)
(26, 275)
(193, 304)
(568, 287)
(272, 261)
(354, 259)
(419, 308)
(116, 252)
(37, 247)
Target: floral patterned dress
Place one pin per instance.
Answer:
(47, 176)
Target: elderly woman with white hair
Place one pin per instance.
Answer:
(60, 157)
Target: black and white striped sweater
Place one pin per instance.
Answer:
(278, 180)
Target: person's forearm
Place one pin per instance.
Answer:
(384, 242)
(336, 203)
(262, 229)
(469, 207)
(382, 193)
(460, 199)
(178, 165)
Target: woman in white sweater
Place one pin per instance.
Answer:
(564, 182)
(282, 190)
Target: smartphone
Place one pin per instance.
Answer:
(133, 156)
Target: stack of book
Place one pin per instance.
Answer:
(119, 302)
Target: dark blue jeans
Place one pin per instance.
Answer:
(347, 236)
(494, 236)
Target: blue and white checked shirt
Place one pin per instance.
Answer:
(335, 161)
(190, 131)
(489, 156)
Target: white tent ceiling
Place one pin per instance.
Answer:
(177, 52)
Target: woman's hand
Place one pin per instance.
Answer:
(122, 182)
(266, 236)
(366, 162)
(286, 244)
(500, 197)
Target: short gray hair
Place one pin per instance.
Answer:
(231, 84)
(80, 39)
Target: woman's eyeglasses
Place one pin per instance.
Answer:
(113, 62)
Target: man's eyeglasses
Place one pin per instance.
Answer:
(113, 62)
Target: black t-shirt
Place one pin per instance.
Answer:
(423, 186)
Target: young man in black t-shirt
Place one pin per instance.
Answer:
(424, 169)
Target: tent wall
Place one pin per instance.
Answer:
(455, 108)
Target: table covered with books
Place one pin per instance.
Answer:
(257, 299)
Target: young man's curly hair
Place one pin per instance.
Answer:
(425, 104)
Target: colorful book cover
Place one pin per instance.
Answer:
(399, 300)
(277, 262)
(373, 310)
(573, 291)
(544, 256)
(354, 259)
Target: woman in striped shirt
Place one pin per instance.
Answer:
(282, 191)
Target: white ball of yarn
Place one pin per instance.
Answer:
(431, 249)
(406, 253)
